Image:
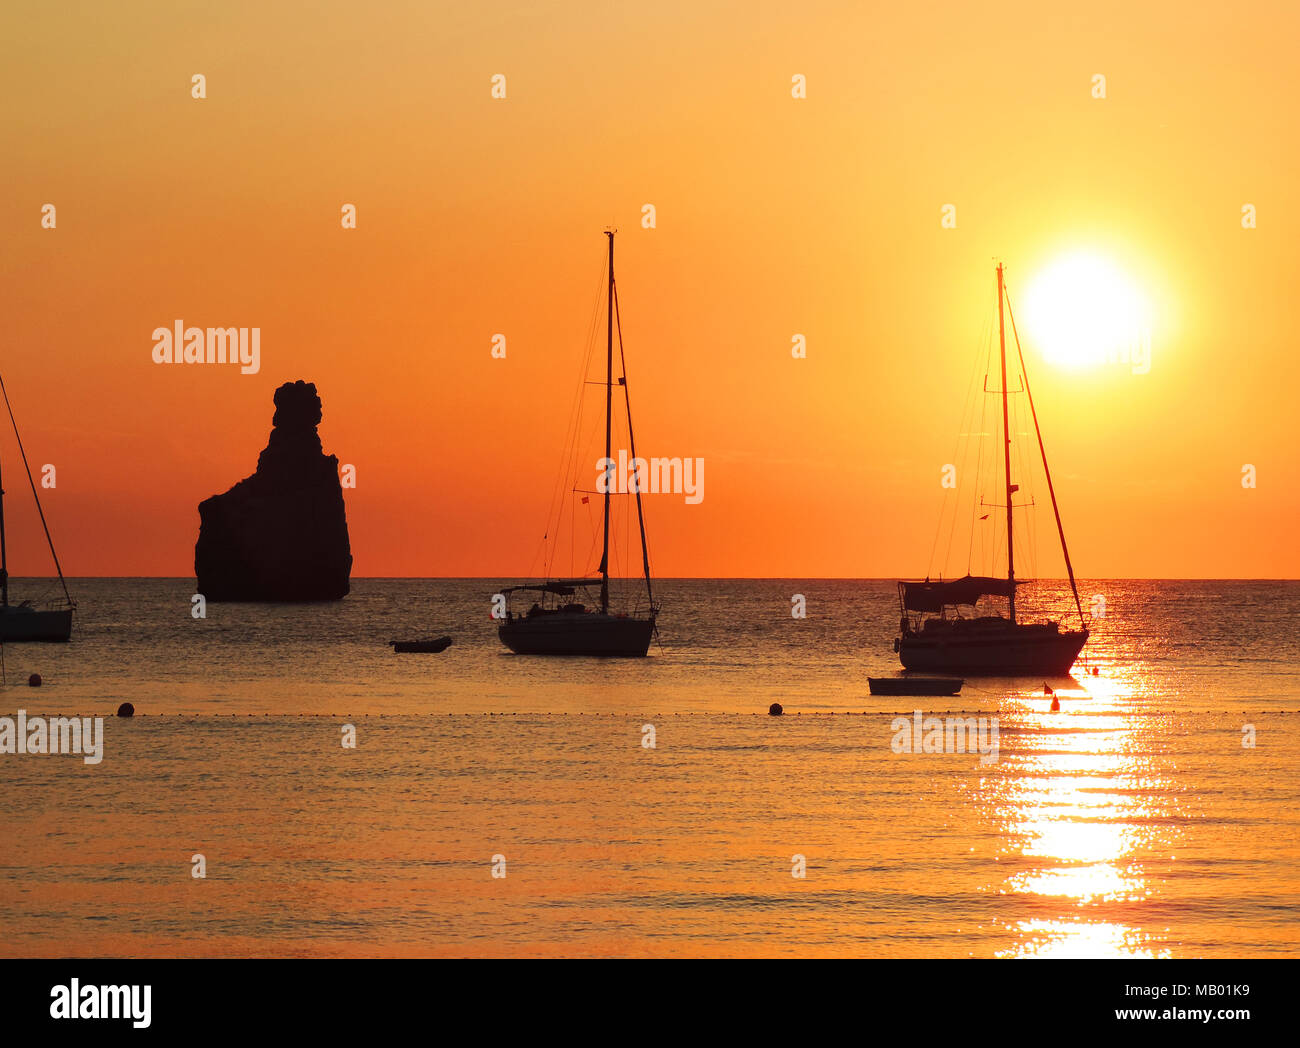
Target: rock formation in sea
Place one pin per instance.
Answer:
(281, 534)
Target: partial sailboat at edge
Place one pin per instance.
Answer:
(25, 621)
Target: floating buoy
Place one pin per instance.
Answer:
(1096, 672)
(34, 681)
(776, 709)
(126, 710)
(1056, 704)
(1047, 690)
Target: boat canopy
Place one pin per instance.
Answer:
(935, 596)
(562, 587)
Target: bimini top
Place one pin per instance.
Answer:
(935, 596)
(562, 587)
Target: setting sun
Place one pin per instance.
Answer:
(1082, 310)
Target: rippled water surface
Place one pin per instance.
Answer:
(1133, 822)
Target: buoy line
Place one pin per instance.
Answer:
(634, 715)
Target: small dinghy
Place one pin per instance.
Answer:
(915, 685)
(428, 645)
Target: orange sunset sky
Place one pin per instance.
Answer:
(775, 216)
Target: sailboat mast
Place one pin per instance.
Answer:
(609, 418)
(49, 539)
(1006, 458)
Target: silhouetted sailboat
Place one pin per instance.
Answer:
(558, 623)
(24, 621)
(950, 641)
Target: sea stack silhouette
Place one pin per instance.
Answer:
(281, 534)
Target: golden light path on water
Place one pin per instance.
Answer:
(1083, 802)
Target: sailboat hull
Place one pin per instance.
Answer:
(589, 633)
(29, 624)
(1009, 652)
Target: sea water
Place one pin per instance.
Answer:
(497, 805)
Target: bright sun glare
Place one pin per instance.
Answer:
(1082, 311)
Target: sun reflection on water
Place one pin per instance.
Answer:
(1081, 803)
